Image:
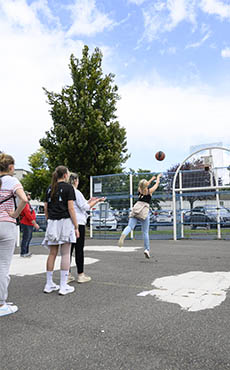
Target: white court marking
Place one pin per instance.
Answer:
(193, 291)
(111, 248)
(37, 264)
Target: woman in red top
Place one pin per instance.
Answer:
(28, 222)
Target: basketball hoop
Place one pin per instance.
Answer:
(207, 162)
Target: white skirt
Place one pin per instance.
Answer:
(59, 232)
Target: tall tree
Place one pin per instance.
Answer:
(86, 135)
(39, 177)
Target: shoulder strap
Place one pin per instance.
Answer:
(7, 198)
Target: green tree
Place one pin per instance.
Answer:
(39, 178)
(86, 135)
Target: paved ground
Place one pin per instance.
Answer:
(105, 325)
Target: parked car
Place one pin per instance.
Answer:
(164, 217)
(122, 219)
(207, 217)
(187, 217)
(105, 220)
(40, 215)
(41, 221)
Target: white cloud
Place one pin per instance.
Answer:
(225, 53)
(216, 7)
(177, 13)
(158, 115)
(170, 51)
(19, 13)
(43, 6)
(155, 113)
(199, 43)
(137, 2)
(165, 16)
(32, 56)
(87, 19)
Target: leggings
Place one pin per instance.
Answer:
(79, 250)
(7, 245)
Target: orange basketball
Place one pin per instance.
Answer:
(160, 156)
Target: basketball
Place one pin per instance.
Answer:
(160, 156)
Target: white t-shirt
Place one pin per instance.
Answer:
(9, 186)
(81, 207)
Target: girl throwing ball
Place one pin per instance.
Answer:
(144, 195)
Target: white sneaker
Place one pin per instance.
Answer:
(84, 279)
(66, 290)
(51, 288)
(8, 309)
(121, 240)
(70, 278)
(146, 253)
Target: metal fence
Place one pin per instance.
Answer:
(109, 219)
(202, 205)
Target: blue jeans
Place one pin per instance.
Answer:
(144, 226)
(27, 232)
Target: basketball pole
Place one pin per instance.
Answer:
(131, 196)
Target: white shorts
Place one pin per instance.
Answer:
(59, 232)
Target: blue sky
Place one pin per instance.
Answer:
(171, 59)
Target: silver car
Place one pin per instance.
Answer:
(104, 220)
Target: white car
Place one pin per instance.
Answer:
(164, 217)
(104, 220)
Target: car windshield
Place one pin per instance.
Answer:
(223, 212)
(103, 214)
(164, 213)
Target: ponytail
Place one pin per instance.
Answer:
(53, 184)
(73, 177)
(143, 184)
(59, 172)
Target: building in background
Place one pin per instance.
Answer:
(19, 173)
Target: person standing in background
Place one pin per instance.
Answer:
(10, 187)
(81, 206)
(28, 223)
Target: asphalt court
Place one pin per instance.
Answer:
(105, 324)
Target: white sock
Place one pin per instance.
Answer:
(49, 278)
(64, 278)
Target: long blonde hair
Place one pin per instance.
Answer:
(142, 186)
